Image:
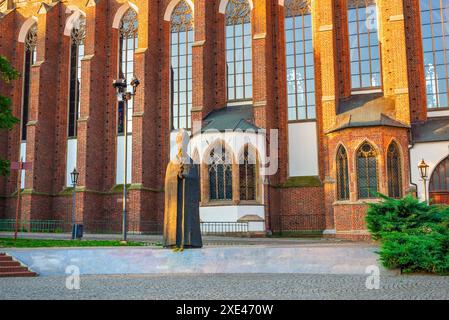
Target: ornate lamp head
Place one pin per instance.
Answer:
(423, 169)
(74, 176)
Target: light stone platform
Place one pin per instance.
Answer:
(343, 259)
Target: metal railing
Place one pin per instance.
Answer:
(224, 228)
(115, 227)
(90, 226)
(39, 226)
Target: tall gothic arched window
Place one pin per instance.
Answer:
(364, 44)
(77, 38)
(247, 174)
(182, 37)
(342, 174)
(220, 173)
(29, 60)
(299, 60)
(394, 171)
(367, 175)
(238, 50)
(439, 181)
(127, 46)
(435, 38)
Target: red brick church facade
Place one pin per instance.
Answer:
(350, 134)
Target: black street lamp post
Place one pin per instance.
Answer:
(123, 96)
(74, 176)
(424, 172)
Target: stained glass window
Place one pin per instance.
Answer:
(435, 38)
(238, 50)
(247, 174)
(394, 171)
(77, 38)
(439, 182)
(299, 60)
(367, 172)
(182, 37)
(364, 44)
(342, 174)
(30, 59)
(220, 174)
(127, 46)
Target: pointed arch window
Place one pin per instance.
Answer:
(435, 39)
(182, 37)
(238, 50)
(439, 181)
(220, 174)
(364, 44)
(394, 171)
(29, 60)
(299, 60)
(367, 175)
(247, 174)
(342, 174)
(77, 38)
(128, 44)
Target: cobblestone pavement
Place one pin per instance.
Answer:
(221, 286)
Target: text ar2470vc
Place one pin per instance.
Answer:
(236, 309)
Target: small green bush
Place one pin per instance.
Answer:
(414, 236)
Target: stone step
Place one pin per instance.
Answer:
(18, 274)
(5, 258)
(13, 269)
(9, 264)
(328, 259)
(10, 268)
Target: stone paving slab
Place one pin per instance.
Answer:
(227, 286)
(224, 260)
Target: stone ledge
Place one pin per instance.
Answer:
(301, 182)
(251, 218)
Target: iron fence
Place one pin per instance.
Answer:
(115, 227)
(90, 226)
(39, 226)
(224, 228)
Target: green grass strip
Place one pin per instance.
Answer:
(38, 243)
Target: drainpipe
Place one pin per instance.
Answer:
(410, 147)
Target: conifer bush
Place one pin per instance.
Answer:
(414, 236)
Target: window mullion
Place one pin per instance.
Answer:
(243, 58)
(178, 70)
(443, 22)
(76, 97)
(295, 66)
(358, 46)
(434, 57)
(305, 65)
(369, 52)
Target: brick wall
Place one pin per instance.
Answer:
(7, 23)
(97, 128)
(301, 209)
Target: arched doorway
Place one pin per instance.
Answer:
(439, 183)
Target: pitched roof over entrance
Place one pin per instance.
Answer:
(231, 118)
(367, 110)
(432, 130)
